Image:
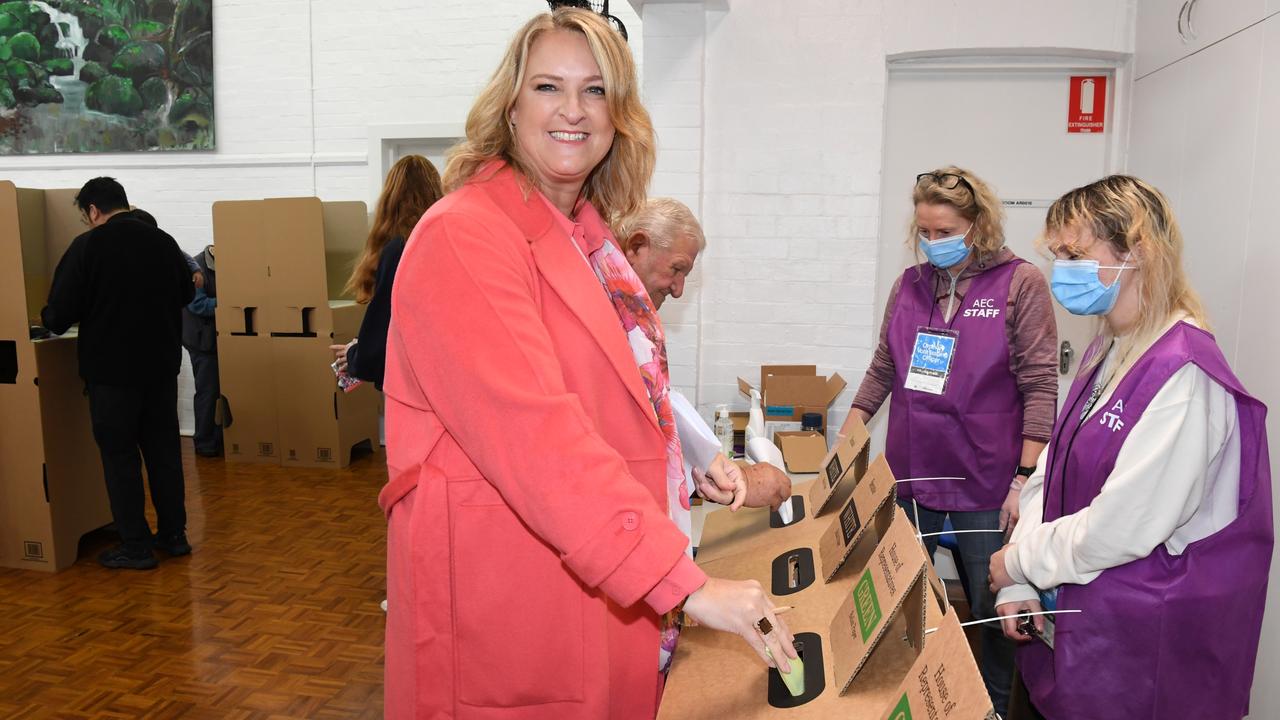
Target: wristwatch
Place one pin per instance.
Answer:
(1025, 471)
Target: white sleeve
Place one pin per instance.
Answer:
(1156, 486)
(697, 440)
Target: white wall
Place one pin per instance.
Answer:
(791, 100)
(298, 83)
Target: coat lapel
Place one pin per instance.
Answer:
(564, 269)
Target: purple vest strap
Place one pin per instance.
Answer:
(1166, 636)
(974, 429)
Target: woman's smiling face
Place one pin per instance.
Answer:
(561, 115)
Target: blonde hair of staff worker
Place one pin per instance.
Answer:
(531, 551)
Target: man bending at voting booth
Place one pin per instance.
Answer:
(125, 282)
(662, 243)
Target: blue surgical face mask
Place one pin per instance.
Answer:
(1078, 288)
(945, 252)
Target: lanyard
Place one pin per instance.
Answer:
(933, 302)
(1068, 413)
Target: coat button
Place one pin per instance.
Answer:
(630, 521)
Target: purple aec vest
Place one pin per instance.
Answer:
(974, 429)
(1166, 636)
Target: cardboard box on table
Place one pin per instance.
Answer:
(790, 391)
(281, 263)
(844, 465)
(51, 486)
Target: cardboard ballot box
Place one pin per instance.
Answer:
(869, 610)
(843, 467)
(861, 631)
(944, 681)
(51, 486)
(282, 266)
(790, 391)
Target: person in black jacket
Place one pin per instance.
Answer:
(125, 281)
(200, 338)
(412, 186)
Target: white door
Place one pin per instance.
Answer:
(1007, 125)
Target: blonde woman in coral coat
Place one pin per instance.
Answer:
(533, 563)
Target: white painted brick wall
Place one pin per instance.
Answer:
(792, 100)
(298, 83)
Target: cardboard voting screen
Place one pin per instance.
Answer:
(244, 296)
(282, 264)
(870, 507)
(844, 464)
(893, 582)
(944, 682)
(51, 486)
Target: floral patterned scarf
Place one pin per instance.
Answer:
(648, 344)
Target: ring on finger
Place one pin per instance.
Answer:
(763, 626)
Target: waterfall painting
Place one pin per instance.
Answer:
(105, 76)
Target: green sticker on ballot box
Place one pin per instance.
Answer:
(866, 605)
(902, 711)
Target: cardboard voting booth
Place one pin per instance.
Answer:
(51, 486)
(865, 597)
(282, 265)
(944, 681)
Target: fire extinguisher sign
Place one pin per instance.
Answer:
(1087, 105)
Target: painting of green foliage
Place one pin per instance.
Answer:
(105, 76)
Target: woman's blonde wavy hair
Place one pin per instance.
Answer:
(618, 185)
(978, 205)
(1135, 219)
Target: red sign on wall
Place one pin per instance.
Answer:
(1087, 105)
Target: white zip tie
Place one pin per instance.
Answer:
(998, 619)
(957, 532)
(922, 479)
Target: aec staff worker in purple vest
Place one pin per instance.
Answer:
(967, 350)
(1151, 513)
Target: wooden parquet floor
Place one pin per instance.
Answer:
(274, 615)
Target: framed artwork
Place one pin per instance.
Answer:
(105, 76)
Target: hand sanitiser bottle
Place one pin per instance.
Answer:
(724, 430)
(755, 417)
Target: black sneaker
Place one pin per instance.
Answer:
(122, 557)
(174, 545)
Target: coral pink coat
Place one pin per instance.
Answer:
(529, 551)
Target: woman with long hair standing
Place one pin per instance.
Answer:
(412, 186)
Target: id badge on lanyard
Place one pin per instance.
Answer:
(1048, 601)
(931, 360)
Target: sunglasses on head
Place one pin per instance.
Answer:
(946, 181)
